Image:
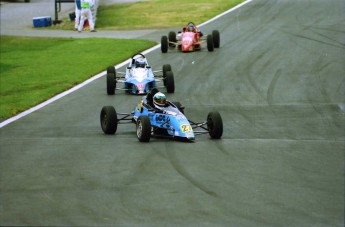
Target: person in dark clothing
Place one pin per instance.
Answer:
(159, 100)
(149, 97)
(156, 101)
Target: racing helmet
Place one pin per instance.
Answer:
(140, 63)
(190, 28)
(159, 99)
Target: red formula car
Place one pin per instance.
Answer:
(190, 39)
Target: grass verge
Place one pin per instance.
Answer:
(35, 69)
(155, 14)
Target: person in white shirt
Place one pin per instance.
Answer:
(77, 14)
(86, 14)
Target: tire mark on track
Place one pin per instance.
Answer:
(325, 120)
(252, 81)
(328, 120)
(259, 64)
(184, 173)
(329, 38)
(132, 179)
(336, 44)
(223, 149)
(271, 87)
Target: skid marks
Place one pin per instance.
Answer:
(171, 155)
(271, 87)
(259, 74)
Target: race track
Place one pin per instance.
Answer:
(278, 80)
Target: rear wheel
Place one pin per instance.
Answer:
(170, 84)
(144, 129)
(164, 44)
(215, 125)
(210, 46)
(172, 38)
(216, 38)
(108, 119)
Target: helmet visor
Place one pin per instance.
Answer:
(159, 100)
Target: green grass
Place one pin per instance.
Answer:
(155, 14)
(35, 69)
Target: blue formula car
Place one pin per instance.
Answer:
(139, 78)
(170, 123)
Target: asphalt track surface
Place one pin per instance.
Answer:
(278, 80)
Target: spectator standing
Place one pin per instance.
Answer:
(77, 14)
(86, 14)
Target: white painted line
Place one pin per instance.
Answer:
(226, 12)
(43, 104)
(61, 95)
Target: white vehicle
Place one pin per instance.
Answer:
(139, 78)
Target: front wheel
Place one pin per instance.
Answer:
(216, 38)
(108, 119)
(164, 44)
(172, 38)
(144, 129)
(166, 68)
(169, 81)
(111, 84)
(215, 125)
(111, 69)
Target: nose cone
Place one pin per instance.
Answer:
(187, 43)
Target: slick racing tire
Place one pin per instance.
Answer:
(172, 38)
(170, 84)
(166, 68)
(164, 44)
(144, 129)
(210, 46)
(215, 125)
(111, 84)
(108, 119)
(216, 38)
(111, 69)
(111, 80)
